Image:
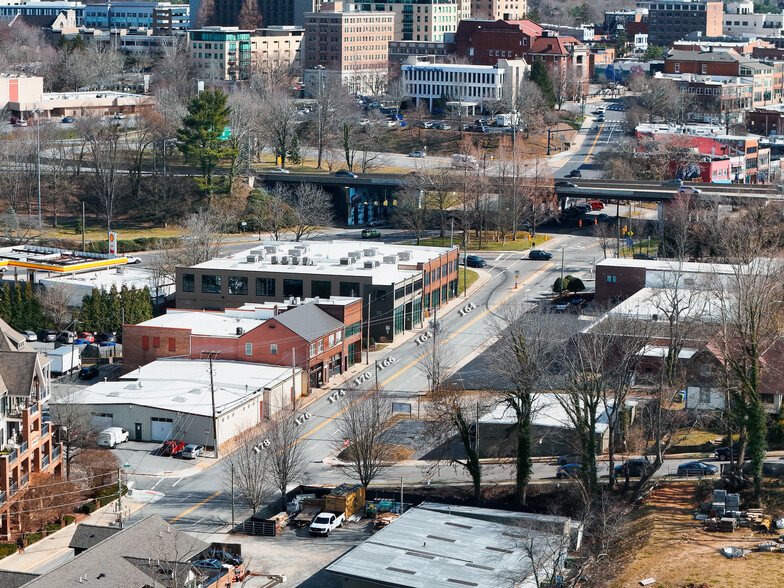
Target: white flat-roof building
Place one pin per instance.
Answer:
(171, 399)
(81, 284)
(462, 85)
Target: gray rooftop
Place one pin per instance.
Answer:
(114, 561)
(87, 536)
(308, 321)
(428, 549)
(9, 579)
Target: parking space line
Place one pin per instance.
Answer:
(156, 484)
(177, 482)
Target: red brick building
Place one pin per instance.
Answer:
(322, 338)
(484, 42)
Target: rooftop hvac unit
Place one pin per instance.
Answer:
(371, 264)
(405, 255)
(295, 252)
(294, 260)
(270, 248)
(390, 259)
(240, 330)
(369, 252)
(252, 258)
(306, 261)
(274, 259)
(344, 261)
(257, 252)
(284, 259)
(356, 254)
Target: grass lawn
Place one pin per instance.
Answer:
(523, 242)
(468, 275)
(96, 232)
(649, 246)
(695, 436)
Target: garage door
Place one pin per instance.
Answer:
(160, 429)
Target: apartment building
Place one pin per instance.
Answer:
(321, 336)
(672, 20)
(465, 86)
(348, 43)
(740, 20)
(275, 46)
(721, 100)
(26, 440)
(399, 285)
(161, 17)
(420, 20)
(499, 9)
(220, 53)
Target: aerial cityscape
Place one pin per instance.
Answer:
(408, 293)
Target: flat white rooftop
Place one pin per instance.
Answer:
(183, 385)
(658, 303)
(215, 324)
(383, 263)
(691, 267)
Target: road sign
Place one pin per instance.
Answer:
(226, 134)
(345, 443)
(112, 243)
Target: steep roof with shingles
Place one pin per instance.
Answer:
(11, 340)
(17, 371)
(114, 559)
(87, 536)
(9, 579)
(308, 321)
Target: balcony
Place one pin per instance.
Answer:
(24, 480)
(33, 409)
(3, 496)
(44, 430)
(13, 489)
(45, 462)
(56, 452)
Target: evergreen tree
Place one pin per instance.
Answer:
(541, 78)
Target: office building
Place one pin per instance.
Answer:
(42, 8)
(499, 9)
(162, 18)
(344, 42)
(483, 42)
(420, 20)
(740, 20)
(672, 20)
(399, 285)
(277, 46)
(462, 86)
(220, 53)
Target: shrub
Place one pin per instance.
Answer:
(89, 507)
(8, 549)
(68, 519)
(52, 527)
(33, 537)
(575, 285)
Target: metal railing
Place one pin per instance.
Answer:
(23, 480)
(44, 430)
(13, 456)
(2, 497)
(56, 452)
(13, 489)
(23, 447)
(33, 408)
(45, 462)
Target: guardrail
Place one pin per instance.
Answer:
(56, 452)
(45, 462)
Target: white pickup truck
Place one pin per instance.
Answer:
(326, 522)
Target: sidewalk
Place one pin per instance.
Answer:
(56, 545)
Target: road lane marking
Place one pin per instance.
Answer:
(599, 134)
(177, 482)
(417, 360)
(594, 245)
(500, 255)
(156, 484)
(194, 507)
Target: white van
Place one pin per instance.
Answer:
(112, 436)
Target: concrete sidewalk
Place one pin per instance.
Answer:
(56, 545)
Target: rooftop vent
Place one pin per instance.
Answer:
(284, 259)
(274, 260)
(370, 252)
(390, 259)
(404, 255)
(344, 261)
(252, 258)
(240, 331)
(371, 264)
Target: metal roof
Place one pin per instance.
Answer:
(308, 321)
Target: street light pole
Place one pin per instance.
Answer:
(38, 158)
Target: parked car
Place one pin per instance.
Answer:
(602, 217)
(562, 306)
(634, 468)
(596, 205)
(391, 123)
(344, 173)
(212, 564)
(569, 470)
(475, 261)
(89, 372)
(647, 256)
(30, 336)
(20, 123)
(443, 126)
(370, 234)
(172, 447)
(87, 336)
(540, 255)
(600, 118)
(570, 458)
(68, 119)
(697, 468)
(46, 335)
(723, 453)
(565, 185)
(417, 154)
(112, 436)
(65, 337)
(192, 452)
(689, 190)
(575, 173)
(225, 557)
(279, 170)
(106, 338)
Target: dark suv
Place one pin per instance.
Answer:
(539, 254)
(633, 468)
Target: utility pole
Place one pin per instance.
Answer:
(38, 157)
(82, 225)
(562, 268)
(476, 430)
(452, 233)
(211, 355)
(119, 496)
(293, 376)
(376, 374)
(232, 496)
(618, 226)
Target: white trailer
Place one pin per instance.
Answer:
(65, 359)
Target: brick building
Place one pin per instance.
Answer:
(344, 42)
(721, 100)
(322, 337)
(483, 42)
(499, 9)
(674, 19)
(399, 283)
(27, 442)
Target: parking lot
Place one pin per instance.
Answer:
(144, 459)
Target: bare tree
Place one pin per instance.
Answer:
(74, 419)
(539, 201)
(247, 468)
(311, 208)
(56, 302)
(332, 102)
(436, 191)
(15, 230)
(397, 92)
(605, 233)
(529, 104)
(249, 16)
(105, 159)
(655, 96)
(286, 458)
(271, 210)
(412, 212)
(278, 121)
(567, 83)
(362, 422)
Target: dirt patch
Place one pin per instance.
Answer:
(673, 549)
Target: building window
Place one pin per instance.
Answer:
(172, 344)
(320, 288)
(321, 346)
(331, 341)
(156, 342)
(145, 342)
(211, 284)
(611, 279)
(292, 288)
(188, 283)
(349, 289)
(353, 329)
(238, 285)
(273, 349)
(312, 350)
(677, 68)
(265, 287)
(248, 348)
